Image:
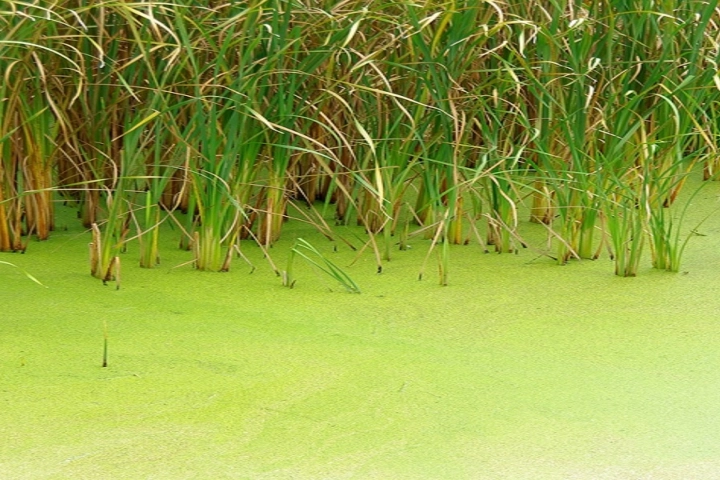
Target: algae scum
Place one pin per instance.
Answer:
(519, 369)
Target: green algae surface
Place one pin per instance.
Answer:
(520, 369)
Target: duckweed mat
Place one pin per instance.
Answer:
(520, 369)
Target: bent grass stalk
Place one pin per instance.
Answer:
(27, 274)
(320, 262)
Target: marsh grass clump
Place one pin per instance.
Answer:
(453, 117)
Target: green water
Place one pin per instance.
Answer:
(520, 369)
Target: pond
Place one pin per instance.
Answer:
(519, 369)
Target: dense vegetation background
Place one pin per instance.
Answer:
(435, 118)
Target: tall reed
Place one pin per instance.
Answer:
(218, 116)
